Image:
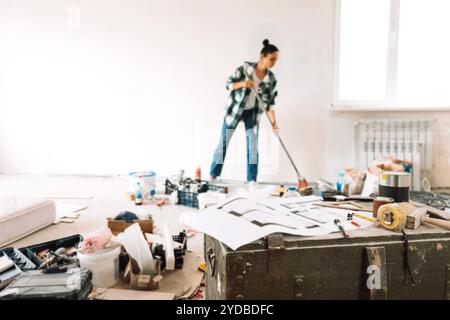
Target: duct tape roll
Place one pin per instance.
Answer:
(379, 201)
(393, 216)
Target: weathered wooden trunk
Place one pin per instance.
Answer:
(373, 264)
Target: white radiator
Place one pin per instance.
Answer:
(405, 139)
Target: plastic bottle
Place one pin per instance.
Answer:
(138, 200)
(340, 181)
(290, 192)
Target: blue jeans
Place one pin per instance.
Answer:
(251, 134)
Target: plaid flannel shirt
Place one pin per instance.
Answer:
(237, 98)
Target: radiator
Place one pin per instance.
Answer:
(405, 139)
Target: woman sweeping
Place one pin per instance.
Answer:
(243, 105)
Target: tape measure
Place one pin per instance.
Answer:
(393, 216)
(354, 214)
(202, 267)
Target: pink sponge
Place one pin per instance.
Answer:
(96, 241)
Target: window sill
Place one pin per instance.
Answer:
(388, 108)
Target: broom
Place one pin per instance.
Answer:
(301, 181)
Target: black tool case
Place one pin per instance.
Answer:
(373, 263)
(75, 284)
(71, 241)
(31, 251)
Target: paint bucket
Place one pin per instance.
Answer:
(394, 185)
(146, 178)
(104, 265)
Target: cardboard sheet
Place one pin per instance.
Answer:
(181, 283)
(67, 213)
(125, 294)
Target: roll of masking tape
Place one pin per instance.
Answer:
(393, 216)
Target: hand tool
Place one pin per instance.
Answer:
(331, 196)
(419, 216)
(341, 227)
(55, 269)
(301, 181)
(432, 211)
(350, 217)
(349, 205)
(202, 267)
(392, 216)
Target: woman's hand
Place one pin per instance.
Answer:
(273, 121)
(275, 128)
(247, 84)
(243, 84)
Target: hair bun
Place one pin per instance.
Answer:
(265, 42)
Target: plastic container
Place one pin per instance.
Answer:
(104, 265)
(147, 179)
(187, 198)
(291, 192)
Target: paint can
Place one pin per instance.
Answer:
(146, 178)
(394, 185)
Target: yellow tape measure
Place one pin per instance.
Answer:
(373, 220)
(202, 267)
(392, 216)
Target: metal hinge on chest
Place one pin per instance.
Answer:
(275, 252)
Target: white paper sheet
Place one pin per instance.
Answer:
(240, 220)
(66, 210)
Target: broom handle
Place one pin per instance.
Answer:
(299, 176)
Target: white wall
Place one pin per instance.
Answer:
(141, 85)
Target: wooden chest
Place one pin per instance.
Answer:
(372, 264)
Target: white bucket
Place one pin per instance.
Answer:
(147, 180)
(104, 265)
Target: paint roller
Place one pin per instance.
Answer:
(301, 181)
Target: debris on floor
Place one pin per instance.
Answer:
(109, 270)
(195, 193)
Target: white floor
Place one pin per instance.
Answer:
(104, 197)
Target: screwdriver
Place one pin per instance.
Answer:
(341, 227)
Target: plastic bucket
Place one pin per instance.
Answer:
(147, 180)
(104, 265)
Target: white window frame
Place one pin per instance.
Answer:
(388, 104)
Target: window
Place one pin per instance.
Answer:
(392, 55)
